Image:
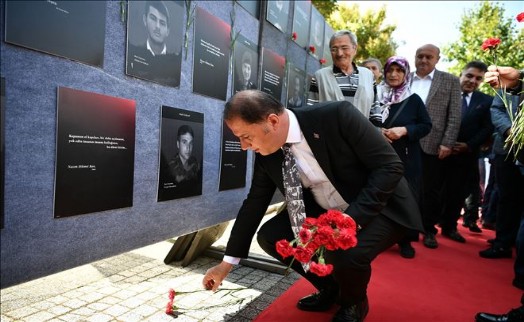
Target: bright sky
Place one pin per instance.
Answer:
(422, 22)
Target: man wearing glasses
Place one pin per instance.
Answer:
(344, 80)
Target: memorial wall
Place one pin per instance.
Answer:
(111, 119)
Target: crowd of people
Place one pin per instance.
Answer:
(397, 150)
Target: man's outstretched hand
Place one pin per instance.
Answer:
(215, 275)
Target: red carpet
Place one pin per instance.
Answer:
(448, 284)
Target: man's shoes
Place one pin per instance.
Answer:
(491, 241)
(406, 250)
(429, 241)
(515, 315)
(352, 313)
(318, 302)
(454, 235)
(495, 252)
(472, 226)
(518, 282)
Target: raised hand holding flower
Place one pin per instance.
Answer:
(504, 78)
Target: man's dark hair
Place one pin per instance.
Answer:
(252, 106)
(184, 129)
(247, 57)
(477, 64)
(158, 5)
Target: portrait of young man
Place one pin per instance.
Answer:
(181, 154)
(245, 65)
(154, 41)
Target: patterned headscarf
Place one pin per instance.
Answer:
(391, 95)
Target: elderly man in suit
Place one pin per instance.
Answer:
(344, 163)
(440, 91)
(462, 169)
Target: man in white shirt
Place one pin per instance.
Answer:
(440, 91)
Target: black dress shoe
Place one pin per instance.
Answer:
(454, 235)
(352, 313)
(515, 315)
(518, 282)
(318, 302)
(406, 250)
(495, 252)
(429, 241)
(472, 226)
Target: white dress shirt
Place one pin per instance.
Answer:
(421, 85)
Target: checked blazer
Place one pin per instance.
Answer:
(444, 108)
(360, 164)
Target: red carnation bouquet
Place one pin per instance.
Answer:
(332, 230)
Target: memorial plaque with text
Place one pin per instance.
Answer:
(272, 73)
(211, 55)
(70, 29)
(233, 161)
(301, 19)
(94, 154)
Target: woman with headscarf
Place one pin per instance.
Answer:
(405, 121)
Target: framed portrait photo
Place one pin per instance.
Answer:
(155, 41)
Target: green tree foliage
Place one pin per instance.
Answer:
(325, 7)
(478, 24)
(374, 38)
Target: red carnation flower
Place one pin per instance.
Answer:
(303, 254)
(324, 235)
(312, 49)
(321, 269)
(284, 248)
(322, 61)
(304, 235)
(520, 17)
(490, 43)
(309, 222)
(294, 35)
(346, 239)
(172, 294)
(169, 307)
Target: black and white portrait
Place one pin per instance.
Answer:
(278, 14)
(154, 41)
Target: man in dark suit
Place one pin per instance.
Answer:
(345, 164)
(462, 165)
(440, 91)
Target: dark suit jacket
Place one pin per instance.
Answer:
(361, 165)
(476, 126)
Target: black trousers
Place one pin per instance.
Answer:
(511, 203)
(352, 267)
(433, 179)
(460, 171)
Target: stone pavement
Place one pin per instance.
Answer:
(134, 287)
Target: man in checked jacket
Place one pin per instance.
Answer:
(440, 91)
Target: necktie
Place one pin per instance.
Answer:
(293, 190)
(464, 104)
